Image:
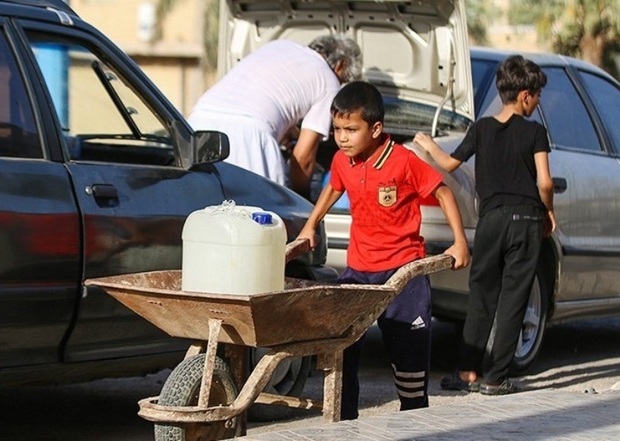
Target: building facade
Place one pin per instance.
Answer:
(171, 52)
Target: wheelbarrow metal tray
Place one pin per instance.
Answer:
(303, 311)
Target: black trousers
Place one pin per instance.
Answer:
(506, 249)
(406, 330)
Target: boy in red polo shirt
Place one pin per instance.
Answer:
(385, 182)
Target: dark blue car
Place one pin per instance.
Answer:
(98, 172)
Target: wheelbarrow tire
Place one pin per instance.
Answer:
(291, 383)
(182, 389)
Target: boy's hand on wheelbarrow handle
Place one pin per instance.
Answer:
(308, 233)
(296, 248)
(460, 254)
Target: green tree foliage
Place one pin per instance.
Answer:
(586, 29)
(479, 14)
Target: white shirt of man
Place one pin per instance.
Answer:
(264, 95)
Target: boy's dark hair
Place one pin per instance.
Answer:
(516, 74)
(359, 95)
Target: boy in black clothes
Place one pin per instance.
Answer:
(515, 189)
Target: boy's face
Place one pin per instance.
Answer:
(354, 136)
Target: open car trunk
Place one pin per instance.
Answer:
(416, 51)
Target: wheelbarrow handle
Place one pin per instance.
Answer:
(419, 267)
(297, 248)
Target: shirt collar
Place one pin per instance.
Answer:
(381, 155)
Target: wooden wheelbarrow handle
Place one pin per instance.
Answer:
(419, 267)
(296, 248)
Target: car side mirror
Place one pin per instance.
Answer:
(210, 146)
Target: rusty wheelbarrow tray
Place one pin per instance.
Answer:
(306, 318)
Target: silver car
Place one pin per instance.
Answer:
(579, 265)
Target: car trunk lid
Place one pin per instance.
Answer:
(412, 50)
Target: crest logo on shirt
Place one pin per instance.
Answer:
(387, 196)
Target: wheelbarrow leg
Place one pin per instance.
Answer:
(238, 359)
(215, 326)
(331, 364)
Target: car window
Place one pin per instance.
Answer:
(568, 121)
(403, 118)
(483, 75)
(486, 97)
(18, 132)
(102, 118)
(606, 97)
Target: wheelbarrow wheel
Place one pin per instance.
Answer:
(182, 389)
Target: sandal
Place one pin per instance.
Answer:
(454, 382)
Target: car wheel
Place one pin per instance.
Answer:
(182, 389)
(289, 379)
(532, 330)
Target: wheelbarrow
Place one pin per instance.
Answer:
(206, 398)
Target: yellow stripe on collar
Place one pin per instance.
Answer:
(387, 151)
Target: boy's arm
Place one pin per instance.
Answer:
(459, 250)
(545, 189)
(328, 197)
(444, 160)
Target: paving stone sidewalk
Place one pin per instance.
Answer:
(543, 415)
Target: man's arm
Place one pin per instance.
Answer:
(328, 197)
(444, 160)
(545, 189)
(303, 159)
(459, 250)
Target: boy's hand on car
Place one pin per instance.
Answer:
(424, 140)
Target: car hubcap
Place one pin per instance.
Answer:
(531, 324)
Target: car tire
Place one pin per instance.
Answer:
(182, 389)
(532, 330)
(288, 379)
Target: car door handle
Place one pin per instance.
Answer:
(103, 191)
(559, 185)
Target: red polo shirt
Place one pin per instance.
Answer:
(384, 193)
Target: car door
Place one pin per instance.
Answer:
(39, 223)
(126, 176)
(580, 109)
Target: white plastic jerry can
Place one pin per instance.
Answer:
(229, 249)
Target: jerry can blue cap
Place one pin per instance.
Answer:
(262, 218)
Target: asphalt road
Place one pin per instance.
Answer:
(582, 357)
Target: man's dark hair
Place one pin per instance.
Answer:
(516, 74)
(359, 96)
